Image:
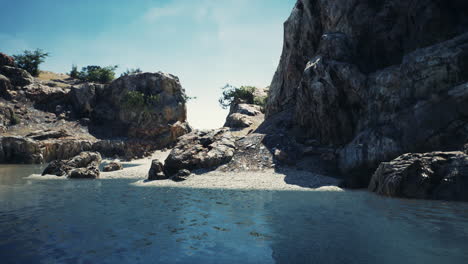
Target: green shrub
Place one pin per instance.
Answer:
(30, 60)
(74, 73)
(131, 71)
(231, 94)
(139, 101)
(93, 73)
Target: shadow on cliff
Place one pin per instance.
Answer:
(299, 162)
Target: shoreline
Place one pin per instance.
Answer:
(247, 180)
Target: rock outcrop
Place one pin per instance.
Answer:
(6, 60)
(365, 78)
(145, 106)
(17, 76)
(435, 175)
(201, 150)
(243, 116)
(144, 111)
(83, 166)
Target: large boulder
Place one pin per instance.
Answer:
(201, 150)
(113, 166)
(156, 171)
(435, 175)
(143, 106)
(6, 60)
(17, 76)
(84, 165)
(243, 116)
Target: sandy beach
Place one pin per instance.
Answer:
(264, 180)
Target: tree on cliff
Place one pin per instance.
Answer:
(93, 73)
(30, 60)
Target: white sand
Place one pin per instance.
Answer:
(264, 180)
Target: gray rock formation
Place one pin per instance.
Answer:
(143, 106)
(365, 78)
(113, 166)
(243, 115)
(201, 150)
(156, 171)
(20, 150)
(435, 175)
(17, 76)
(83, 166)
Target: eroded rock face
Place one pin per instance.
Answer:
(201, 150)
(364, 79)
(243, 115)
(380, 32)
(435, 175)
(83, 166)
(19, 150)
(144, 106)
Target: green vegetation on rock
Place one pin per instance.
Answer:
(93, 73)
(135, 100)
(130, 72)
(243, 94)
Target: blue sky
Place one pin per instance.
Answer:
(206, 43)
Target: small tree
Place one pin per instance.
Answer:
(93, 73)
(30, 60)
(131, 71)
(233, 94)
(74, 73)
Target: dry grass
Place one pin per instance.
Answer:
(56, 79)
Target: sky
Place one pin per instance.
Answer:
(206, 43)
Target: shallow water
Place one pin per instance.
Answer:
(114, 221)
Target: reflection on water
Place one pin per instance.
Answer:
(113, 221)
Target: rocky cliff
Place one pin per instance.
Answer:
(374, 79)
(56, 117)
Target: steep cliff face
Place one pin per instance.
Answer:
(375, 78)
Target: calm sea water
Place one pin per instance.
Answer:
(113, 221)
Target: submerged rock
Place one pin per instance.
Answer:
(84, 165)
(201, 150)
(113, 166)
(434, 175)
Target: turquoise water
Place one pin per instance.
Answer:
(113, 221)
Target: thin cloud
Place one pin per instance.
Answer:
(161, 12)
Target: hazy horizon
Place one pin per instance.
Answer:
(205, 43)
